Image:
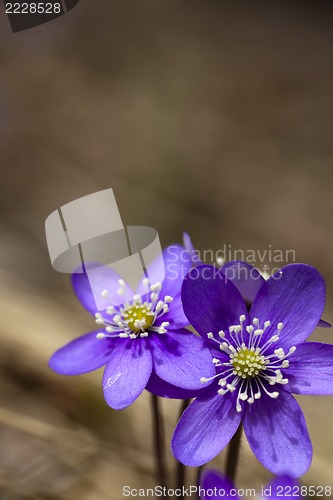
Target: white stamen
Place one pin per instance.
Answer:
(156, 287)
(249, 369)
(159, 306)
(134, 318)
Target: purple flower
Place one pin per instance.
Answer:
(142, 338)
(260, 358)
(249, 280)
(213, 486)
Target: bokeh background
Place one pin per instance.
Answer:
(213, 117)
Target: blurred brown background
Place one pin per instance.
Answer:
(212, 117)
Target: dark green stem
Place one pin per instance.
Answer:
(233, 455)
(158, 439)
(180, 473)
(199, 471)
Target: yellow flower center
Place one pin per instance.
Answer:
(138, 316)
(247, 362)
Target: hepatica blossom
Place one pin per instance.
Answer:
(142, 338)
(213, 486)
(260, 357)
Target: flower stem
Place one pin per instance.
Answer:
(158, 439)
(199, 471)
(180, 473)
(233, 454)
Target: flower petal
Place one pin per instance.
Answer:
(82, 355)
(175, 316)
(311, 369)
(323, 324)
(187, 242)
(280, 486)
(127, 373)
(83, 291)
(205, 428)
(211, 302)
(177, 263)
(105, 278)
(211, 479)
(163, 389)
(245, 277)
(277, 434)
(294, 296)
(181, 358)
(194, 254)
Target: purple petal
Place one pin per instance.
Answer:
(294, 296)
(311, 369)
(277, 434)
(162, 389)
(245, 277)
(127, 373)
(104, 278)
(175, 316)
(82, 355)
(194, 254)
(205, 429)
(210, 301)
(187, 242)
(282, 487)
(323, 324)
(83, 291)
(211, 479)
(177, 263)
(181, 358)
